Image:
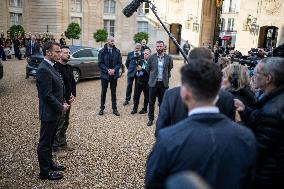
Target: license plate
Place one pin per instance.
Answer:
(33, 71)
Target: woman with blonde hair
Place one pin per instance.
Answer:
(223, 62)
(236, 80)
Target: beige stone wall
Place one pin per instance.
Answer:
(261, 10)
(37, 14)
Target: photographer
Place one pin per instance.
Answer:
(142, 78)
(133, 58)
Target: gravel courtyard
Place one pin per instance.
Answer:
(110, 152)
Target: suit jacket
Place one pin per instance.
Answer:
(50, 92)
(109, 60)
(173, 110)
(130, 63)
(152, 69)
(35, 49)
(219, 150)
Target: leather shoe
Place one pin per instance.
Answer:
(125, 103)
(115, 112)
(150, 123)
(52, 175)
(133, 111)
(101, 112)
(143, 111)
(58, 167)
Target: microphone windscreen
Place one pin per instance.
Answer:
(131, 8)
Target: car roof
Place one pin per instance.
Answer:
(74, 48)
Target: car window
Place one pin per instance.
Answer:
(95, 52)
(83, 53)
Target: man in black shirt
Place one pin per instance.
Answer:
(66, 72)
(142, 78)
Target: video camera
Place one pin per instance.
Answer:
(138, 59)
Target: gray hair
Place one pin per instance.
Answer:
(274, 66)
(138, 45)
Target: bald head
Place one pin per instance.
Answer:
(110, 41)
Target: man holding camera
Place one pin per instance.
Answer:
(133, 59)
(142, 79)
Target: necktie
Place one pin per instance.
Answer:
(32, 46)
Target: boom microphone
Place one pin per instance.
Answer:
(132, 7)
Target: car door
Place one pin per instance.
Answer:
(96, 65)
(86, 62)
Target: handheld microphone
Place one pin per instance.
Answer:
(131, 8)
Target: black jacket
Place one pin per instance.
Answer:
(50, 92)
(219, 150)
(245, 95)
(267, 123)
(172, 109)
(109, 60)
(66, 72)
(142, 77)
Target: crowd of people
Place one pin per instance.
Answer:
(222, 123)
(19, 43)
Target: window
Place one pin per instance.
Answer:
(76, 5)
(232, 7)
(83, 53)
(109, 26)
(109, 7)
(16, 19)
(15, 3)
(143, 27)
(223, 22)
(143, 9)
(231, 23)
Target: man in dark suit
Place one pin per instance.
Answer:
(32, 47)
(206, 142)
(17, 46)
(62, 40)
(2, 46)
(159, 69)
(132, 60)
(144, 45)
(51, 105)
(109, 62)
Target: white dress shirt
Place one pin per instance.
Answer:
(205, 109)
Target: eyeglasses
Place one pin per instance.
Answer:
(259, 73)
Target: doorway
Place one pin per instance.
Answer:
(268, 37)
(175, 29)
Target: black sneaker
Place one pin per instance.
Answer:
(101, 112)
(115, 112)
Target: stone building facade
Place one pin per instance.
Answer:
(192, 20)
(260, 24)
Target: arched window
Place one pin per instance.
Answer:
(109, 6)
